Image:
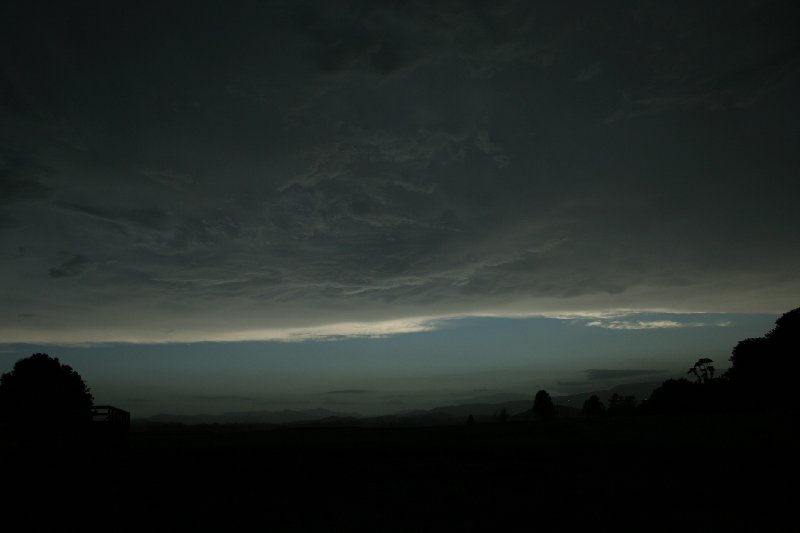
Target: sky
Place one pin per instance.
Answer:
(210, 206)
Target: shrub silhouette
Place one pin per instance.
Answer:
(763, 370)
(543, 406)
(594, 406)
(42, 394)
(502, 415)
(674, 396)
(621, 405)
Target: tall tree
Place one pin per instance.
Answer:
(594, 406)
(40, 392)
(543, 406)
(703, 370)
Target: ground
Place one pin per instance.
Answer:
(639, 473)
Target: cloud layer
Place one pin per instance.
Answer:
(308, 170)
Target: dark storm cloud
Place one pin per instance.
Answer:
(310, 164)
(72, 266)
(708, 66)
(18, 181)
(21, 180)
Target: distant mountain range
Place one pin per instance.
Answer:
(448, 414)
(521, 409)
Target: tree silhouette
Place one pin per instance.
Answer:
(621, 405)
(703, 370)
(543, 406)
(749, 361)
(761, 378)
(674, 396)
(594, 406)
(763, 370)
(502, 415)
(41, 393)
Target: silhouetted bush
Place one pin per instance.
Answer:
(672, 397)
(543, 406)
(621, 405)
(763, 370)
(594, 406)
(41, 394)
(501, 416)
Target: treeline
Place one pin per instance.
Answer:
(761, 379)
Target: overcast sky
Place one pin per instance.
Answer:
(176, 172)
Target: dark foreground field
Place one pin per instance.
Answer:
(634, 474)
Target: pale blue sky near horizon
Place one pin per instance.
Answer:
(461, 361)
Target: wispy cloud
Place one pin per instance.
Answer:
(346, 330)
(330, 332)
(650, 324)
(355, 329)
